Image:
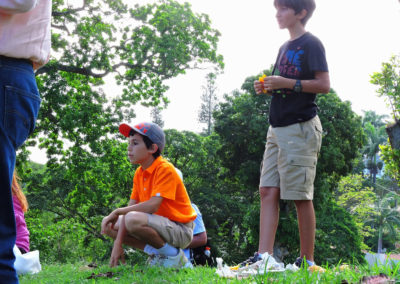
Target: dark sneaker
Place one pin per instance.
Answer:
(252, 259)
(311, 266)
(299, 262)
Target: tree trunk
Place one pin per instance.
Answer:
(380, 240)
(393, 132)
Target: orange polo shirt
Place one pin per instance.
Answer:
(161, 179)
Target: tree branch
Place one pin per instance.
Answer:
(69, 11)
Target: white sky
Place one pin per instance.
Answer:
(358, 36)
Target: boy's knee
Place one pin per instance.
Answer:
(135, 220)
(268, 192)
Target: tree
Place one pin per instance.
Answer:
(374, 128)
(375, 137)
(388, 81)
(375, 119)
(358, 199)
(141, 47)
(386, 216)
(87, 173)
(157, 117)
(209, 104)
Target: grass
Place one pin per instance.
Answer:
(81, 273)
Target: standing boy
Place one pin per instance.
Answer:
(159, 216)
(294, 135)
(24, 46)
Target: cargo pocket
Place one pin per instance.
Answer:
(21, 110)
(300, 172)
(318, 134)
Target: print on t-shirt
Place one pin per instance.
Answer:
(290, 65)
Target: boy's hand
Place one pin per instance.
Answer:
(117, 255)
(258, 87)
(274, 83)
(110, 219)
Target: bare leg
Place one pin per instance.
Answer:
(269, 217)
(138, 233)
(128, 240)
(306, 220)
(136, 226)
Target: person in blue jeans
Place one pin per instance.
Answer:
(24, 46)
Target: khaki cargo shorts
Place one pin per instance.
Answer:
(290, 159)
(176, 234)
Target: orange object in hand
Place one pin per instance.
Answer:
(261, 79)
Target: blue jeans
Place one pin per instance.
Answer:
(19, 106)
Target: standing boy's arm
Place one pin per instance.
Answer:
(321, 83)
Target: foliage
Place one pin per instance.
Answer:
(141, 46)
(386, 216)
(374, 128)
(391, 157)
(337, 238)
(388, 81)
(353, 195)
(60, 239)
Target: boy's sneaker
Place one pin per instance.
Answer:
(177, 261)
(154, 260)
(300, 262)
(251, 260)
(311, 266)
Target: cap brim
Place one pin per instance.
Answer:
(124, 129)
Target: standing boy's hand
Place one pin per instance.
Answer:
(276, 82)
(258, 87)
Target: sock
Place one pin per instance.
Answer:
(168, 250)
(310, 263)
(150, 250)
(264, 253)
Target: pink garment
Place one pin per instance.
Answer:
(22, 230)
(25, 29)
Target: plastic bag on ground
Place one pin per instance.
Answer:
(27, 262)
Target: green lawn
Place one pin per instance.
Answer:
(81, 273)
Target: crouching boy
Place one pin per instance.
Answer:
(159, 217)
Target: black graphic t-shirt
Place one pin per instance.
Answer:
(297, 59)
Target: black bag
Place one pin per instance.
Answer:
(202, 255)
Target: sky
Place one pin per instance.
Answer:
(358, 36)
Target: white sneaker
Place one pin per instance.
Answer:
(177, 261)
(154, 260)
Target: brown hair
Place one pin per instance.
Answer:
(17, 191)
(298, 6)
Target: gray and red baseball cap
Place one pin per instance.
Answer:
(149, 129)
